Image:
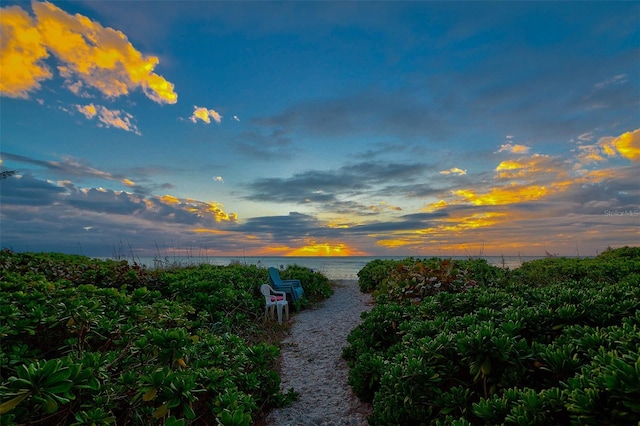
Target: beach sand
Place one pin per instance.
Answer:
(312, 364)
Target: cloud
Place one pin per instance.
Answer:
(109, 118)
(21, 55)
(627, 146)
(264, 145)
(454, 171)
(71, 201)
(204, 114)
(69, 166)
(335, 186)
(85, 172)
(89, 56)
(369, 112)
(529, 168)
(616, 79)
(514, 149)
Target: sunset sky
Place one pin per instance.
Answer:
(320, 128)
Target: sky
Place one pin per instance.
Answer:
(158, 128)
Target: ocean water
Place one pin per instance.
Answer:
(334, 268)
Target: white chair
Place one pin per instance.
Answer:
(274, 299)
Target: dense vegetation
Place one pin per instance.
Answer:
(556, 341)
(88, 341)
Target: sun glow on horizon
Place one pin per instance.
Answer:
(324, 249)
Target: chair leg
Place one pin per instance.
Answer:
(279, 313)
(286, 310)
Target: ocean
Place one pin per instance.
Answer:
(334, 268)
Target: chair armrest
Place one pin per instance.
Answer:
(284, 284)
(292, 282)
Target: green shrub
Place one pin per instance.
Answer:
(508, 350)
(86, 341)
(375, 273)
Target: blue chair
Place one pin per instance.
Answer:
(292, 287)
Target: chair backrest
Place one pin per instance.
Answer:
(266, 290)
(274, 276)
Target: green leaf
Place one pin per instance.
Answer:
(58, 376)
(50, 406)
(62, 387)
(21, 384)
(188, 412)
(7, 406)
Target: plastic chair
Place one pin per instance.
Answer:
(292, 287)
(274, 299)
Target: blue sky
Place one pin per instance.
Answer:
(320, 128)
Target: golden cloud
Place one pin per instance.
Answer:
(200, 208)
(204, 114)
(435, 206)
(21, 54)
(170, 199)
(90, 55)
(527, 167)
(454, 171)
(476, 220)
(627, 145)
(381, 207)
(509, 194)
(515, 149)
(314, 248)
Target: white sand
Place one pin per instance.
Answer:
(312, 363)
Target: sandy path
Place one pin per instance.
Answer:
(312, 363)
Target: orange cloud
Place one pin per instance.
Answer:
(169, 199)
(526, 167)
(21, 54)
(204, 114)
(200, 208)
(476, 220)
(90, 56)
(512, 193)
(395, 242)
(314, 248)
(627, 145)
(435, 206)
(381, 207)
(515, 149)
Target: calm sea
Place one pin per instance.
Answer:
(334, 268)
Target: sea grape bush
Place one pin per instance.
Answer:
(510, 351)
(608, 267)
(414, 279)
(87, 341)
